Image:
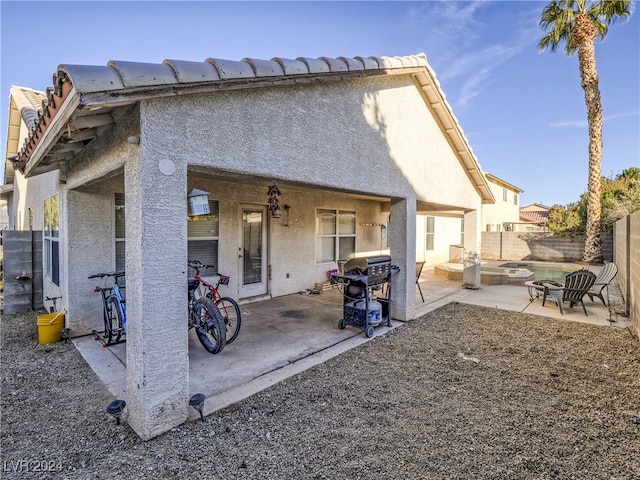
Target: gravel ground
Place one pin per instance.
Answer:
(464, 392)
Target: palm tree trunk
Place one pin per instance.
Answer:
(589, 77)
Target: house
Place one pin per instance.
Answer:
(504, 214)
(358, 148)
(4, 215)
(534, 217)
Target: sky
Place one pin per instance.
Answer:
(522, 111)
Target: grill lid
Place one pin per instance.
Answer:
(360, 265)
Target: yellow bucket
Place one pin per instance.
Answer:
(49, 327)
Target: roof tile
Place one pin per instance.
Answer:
(138, 74)
(352, 63)
(91, 78)
(190, 72)
(231, 68)
(368, 63)
(292, 67)
(389, 62)
(335, 65)
(315, 65)
(265, 68)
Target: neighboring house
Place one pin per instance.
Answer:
(362, 150)
(504, 214)
(534, 217)
(4, 214)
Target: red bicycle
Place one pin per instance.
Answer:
(228, 306)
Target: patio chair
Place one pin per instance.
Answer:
(419, 266)
(575, 287)
(604, 278)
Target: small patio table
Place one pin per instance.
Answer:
(541, 287)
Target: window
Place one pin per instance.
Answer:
(488, 227)
(430, 233)
(203, 232)
(462, 231)
(335, 235)
(515, 198)
(51, 237)
(504, 194)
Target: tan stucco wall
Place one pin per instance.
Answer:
(364, 136)
(502, 211)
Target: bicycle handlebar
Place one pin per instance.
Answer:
(102, 275)
(197, 265)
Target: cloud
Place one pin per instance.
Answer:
(471, 40)
(478, 68)
(582, 123)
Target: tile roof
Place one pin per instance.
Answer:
(126, 77)
(83, 97)
(539, 216)
(535, 207)
(119, 75)
(25, 106)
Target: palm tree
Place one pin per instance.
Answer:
(577, 24)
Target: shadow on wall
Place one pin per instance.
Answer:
(22, 270)
(540, 246)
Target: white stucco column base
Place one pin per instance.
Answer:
(402, 234)
(471, 274)
(156, 266)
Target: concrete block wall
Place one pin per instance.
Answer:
(627, 258)
(621, 253)
(634, 271)
(18, 292)
(542, 246)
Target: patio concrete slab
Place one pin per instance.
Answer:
(517, 299)
(283, 336)
(278, 338)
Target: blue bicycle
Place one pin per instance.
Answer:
(114, 310)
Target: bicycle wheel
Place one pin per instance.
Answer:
(113, 320)
(209, 325)
(231, 314)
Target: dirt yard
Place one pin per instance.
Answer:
(464, 392)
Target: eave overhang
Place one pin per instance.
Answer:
(503, 183)
(83, 98)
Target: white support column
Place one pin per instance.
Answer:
(471, 258)
(156, 266)
(402, 233)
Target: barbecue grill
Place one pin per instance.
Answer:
(366, 289)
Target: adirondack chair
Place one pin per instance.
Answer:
(604, 278)
(575, 287)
